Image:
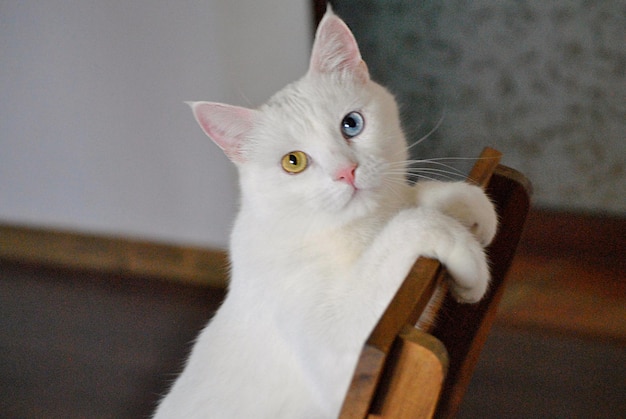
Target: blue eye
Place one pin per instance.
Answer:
(352, 125)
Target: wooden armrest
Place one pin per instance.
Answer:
(413, 379)
(408, 303)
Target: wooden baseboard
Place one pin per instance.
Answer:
(113, 255)
(598, 239)
(567, 277)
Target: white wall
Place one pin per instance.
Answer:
(94, 134)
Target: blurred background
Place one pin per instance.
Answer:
(544, 82)
(94, 132)
(115, 208)
(95, 135)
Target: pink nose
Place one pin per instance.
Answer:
(346, 174)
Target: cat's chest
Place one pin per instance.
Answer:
(339, 248)
(310, 252)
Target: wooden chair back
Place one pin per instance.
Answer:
(404, 372)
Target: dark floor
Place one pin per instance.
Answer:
(77, 345)
(525, 374)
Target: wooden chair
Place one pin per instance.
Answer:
(404, 372)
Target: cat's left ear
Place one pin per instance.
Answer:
(335, 50)
(228, 126)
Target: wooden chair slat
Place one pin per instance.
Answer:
(400, 372)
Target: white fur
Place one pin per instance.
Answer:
(315, 260)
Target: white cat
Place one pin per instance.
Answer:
(327, 230)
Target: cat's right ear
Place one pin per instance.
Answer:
(335, 50)
(228, 126)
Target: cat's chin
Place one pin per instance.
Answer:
(357, 203)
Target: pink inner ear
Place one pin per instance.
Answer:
(228, 126)
(336, 50)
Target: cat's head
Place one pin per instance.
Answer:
(329, 144)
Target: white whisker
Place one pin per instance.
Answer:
(435, 175)
(426, 165)
(431, 132)
(437, 166)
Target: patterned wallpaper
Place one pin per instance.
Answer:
(543, 81)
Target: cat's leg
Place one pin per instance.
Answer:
(423, 232)
(467, 203)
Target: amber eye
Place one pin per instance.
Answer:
(295, 162)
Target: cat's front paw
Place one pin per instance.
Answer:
(467, 264)
(443, 237)
(466, 203)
